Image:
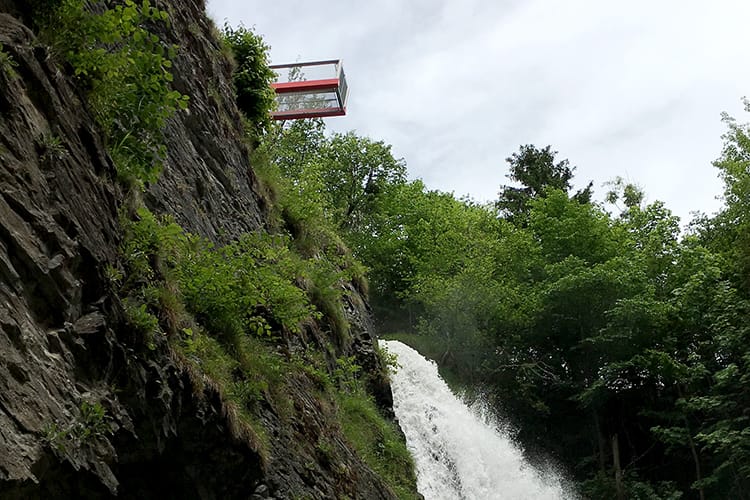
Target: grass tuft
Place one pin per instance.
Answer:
(378, 442)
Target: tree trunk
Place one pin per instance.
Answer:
(601, 442)
(696, 459)
(618, 469)
(693, 449)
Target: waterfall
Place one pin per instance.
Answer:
(458, 455)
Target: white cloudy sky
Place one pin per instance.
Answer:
(631, 88)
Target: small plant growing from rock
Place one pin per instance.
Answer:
(52, 148)
(92, 423)
(346, 374)
(7, 64)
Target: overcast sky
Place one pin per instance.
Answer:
(632, 88)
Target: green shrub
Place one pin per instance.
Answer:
(147, 285)
(141, 318)
(247, 287)
(347, 374)
(326, 293)
(252, 76)
(126, 69)
(151, 245)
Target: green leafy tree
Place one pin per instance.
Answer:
(296, 145)
(729, 231)
(384, 244)
(630, 194)
(723, 404)
(356, 170)
(535, 169)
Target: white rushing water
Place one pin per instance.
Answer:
(457, 454)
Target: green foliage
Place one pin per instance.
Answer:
(223, 307)
(296, 145)
(7, 64)
(142, 320)
(346, 374)
(301, 198)
(583, 325)
(341, 177)
(150, 244)
(246, 287)
(52, 149)
(326, 293)
(388, 360)
(631, 194)
(146, 282)
(317, 371)
(297, 198)
(378, 443)
(252, 76)
(94, 420)
(729, 232)
(126, 69)
(568, 228)
(249, 287)
(91, 423)
(535, 169)
(413, 240)
(355, 170)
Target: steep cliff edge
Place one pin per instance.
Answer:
(209, 185)
(89, 408)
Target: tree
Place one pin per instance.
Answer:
(730, 229)
(535, 169)
(297, 144)
(631, 194)
(724, 403)
(430, 254)
(355, 171)
(352, 171)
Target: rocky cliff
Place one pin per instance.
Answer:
(139, 421)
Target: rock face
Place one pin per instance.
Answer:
(58, 226)
(87, 410)
(208, 184)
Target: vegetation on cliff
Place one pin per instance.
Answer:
(265, 318)
(125, 68)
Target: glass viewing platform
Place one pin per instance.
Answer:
(309, 90)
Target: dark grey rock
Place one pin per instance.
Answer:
(63, 340)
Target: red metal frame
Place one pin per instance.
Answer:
(320, 85)
(308, 113)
